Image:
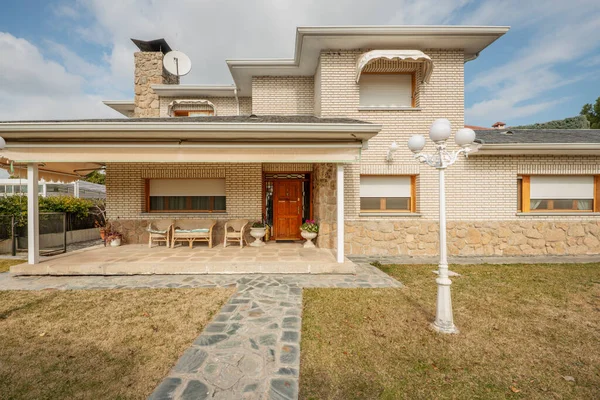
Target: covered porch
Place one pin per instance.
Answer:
(137, 259)
(233, 149)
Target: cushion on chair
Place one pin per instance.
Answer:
(198, 230)
(157, 231)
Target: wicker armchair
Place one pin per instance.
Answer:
(234, 231)
(160, 231)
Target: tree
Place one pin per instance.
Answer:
(578, 122)
(95, 177)
(592, 113)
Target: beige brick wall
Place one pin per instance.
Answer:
(283, 95)
(224, 106)
(125, 187)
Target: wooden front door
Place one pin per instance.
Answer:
(287, 209)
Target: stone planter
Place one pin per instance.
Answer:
(309, 236)
(258, 234)
(115, 242)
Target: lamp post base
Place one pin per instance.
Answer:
(444, 329)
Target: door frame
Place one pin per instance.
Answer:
(264, 187)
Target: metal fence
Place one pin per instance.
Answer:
(53, 228)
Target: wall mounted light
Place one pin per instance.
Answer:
(391, 151)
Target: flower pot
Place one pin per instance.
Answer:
(115, 242)
(102, 233)
(309, 236)
(257, 234)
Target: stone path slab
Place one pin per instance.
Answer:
(251, 349)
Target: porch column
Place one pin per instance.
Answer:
(340, 213)
(33, 215)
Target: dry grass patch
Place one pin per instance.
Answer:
(524, 328)
(97, 344)
(5, 264)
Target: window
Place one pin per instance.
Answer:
(387, 193)
(387, 90)
(185, 195)
(558, 193)
(193, 113)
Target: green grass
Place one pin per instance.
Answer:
(523, 328)
(5, 264)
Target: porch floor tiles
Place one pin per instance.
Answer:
(273, 258)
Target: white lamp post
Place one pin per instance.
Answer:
(439, 132)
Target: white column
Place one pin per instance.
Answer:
(33, 215)
(444, 320)
(76, 189)
(340, 213)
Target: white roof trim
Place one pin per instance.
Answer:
(194, 90)
(310, 41)
(124, 107)
(412, 55)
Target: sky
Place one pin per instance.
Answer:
(60, 58)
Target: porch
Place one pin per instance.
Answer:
(138, 259)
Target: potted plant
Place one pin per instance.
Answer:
(258, 231)
(114, 238)
(309, 231)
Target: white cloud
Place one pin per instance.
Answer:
(33, 87)
(565, 33)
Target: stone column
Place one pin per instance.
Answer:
(149, 71)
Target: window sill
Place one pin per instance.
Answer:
(559, 214)
(384, 214)
(389, 108)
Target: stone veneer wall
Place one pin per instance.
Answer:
(149, 71)
(283, 95)
(224, 106)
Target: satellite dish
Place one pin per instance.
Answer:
(177, 63)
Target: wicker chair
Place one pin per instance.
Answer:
(160, 231)
(193, 230)
(234, 231)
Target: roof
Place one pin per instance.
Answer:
(498, 124)
(241, 119)
(310, 41)
(545, 136)
(125, 107)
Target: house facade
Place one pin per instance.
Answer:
(310, 138)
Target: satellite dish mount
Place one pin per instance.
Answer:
(177, 63)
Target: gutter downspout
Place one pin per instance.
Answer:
(237, 100)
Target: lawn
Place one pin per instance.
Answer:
(526, 331)
(5, 264)
(97, 344)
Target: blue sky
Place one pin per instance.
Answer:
(61, 58)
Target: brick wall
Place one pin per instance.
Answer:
(283, 95)
(224, 106)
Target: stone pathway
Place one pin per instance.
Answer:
(251, 349)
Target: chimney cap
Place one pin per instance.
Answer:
(156, 45)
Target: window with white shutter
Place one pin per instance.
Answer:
(387, 193)
(393, 90)
(185, 195)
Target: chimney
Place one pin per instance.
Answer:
(499, 125)
(149, 71)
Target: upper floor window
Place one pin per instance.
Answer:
(193, 113)
(390, 90)
(558, 193)
(387, 193)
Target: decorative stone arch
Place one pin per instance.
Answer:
(382, 61)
